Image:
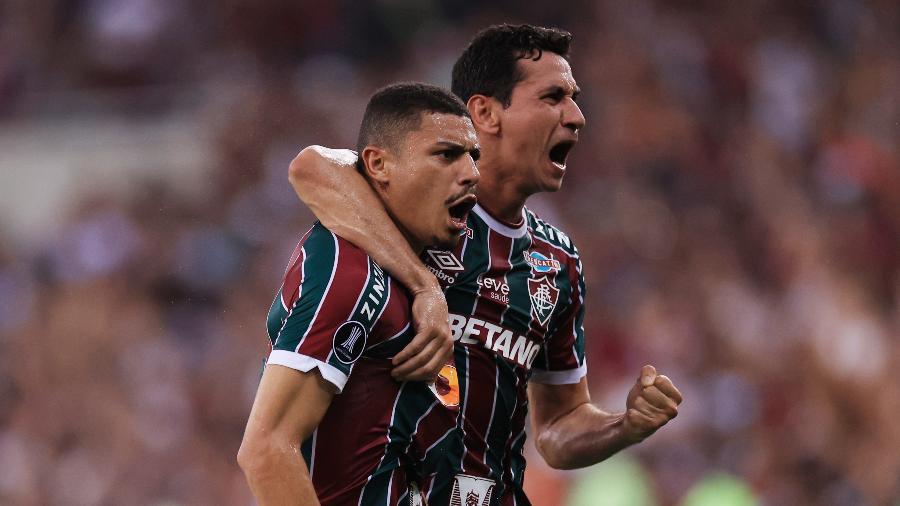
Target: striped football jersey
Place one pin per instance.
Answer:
(515, 296)
(340, 313)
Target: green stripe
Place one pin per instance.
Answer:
(497, 433)
(276, 317)
(374, 297)
(414, 400)
(564, 301)
(370, 303)
(579, 319)
(462, 295)
(387, 349)
(318, 264)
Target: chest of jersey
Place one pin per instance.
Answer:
(505, 294)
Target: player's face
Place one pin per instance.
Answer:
(432, 183)
(542, 122)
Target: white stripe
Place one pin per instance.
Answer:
(487, 444)
(337, 252)
(462, 412)
(305, 363)
(280, 294)
(430, 489)
(416, 427)
(395, 336)
(452, 429)
(512, 476)
(462, 252)
(575, 316)
(465, 403)
(387, 300)
(387, 498)
(500, 228)
(300, 286)
(312, 455)
(566, 377)
(509, 260)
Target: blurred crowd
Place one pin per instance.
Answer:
(735, 198)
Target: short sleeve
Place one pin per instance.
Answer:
(331, 298)
(561, 360)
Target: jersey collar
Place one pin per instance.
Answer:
(502, 229)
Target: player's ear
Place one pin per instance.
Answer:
(485, 112)
(375, 163)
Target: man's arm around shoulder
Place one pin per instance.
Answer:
(327, 181)
(289, 405)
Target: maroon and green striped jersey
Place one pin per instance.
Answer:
(515, 296)
(338, 312)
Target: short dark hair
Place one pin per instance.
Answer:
(488, 66)
(396, 110)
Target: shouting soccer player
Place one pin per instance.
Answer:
(339, 319)
(514, 285)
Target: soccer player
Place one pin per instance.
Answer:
(329, 423)
(514, 285)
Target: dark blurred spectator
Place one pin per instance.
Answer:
(736, 198)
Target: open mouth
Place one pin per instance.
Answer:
(560, 152)
(459, 210)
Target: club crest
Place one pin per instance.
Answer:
(543, 299)
(471, 491)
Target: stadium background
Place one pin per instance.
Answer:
(735, 196)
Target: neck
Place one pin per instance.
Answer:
(417, 246)
(499, 192)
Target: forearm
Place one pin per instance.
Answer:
(584, 436)
(279, 476)
(326, 180)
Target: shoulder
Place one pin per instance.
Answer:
(324, 248)
(543, 231)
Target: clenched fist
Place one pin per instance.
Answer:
(651, 403)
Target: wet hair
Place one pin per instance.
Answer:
(489, 64)
(396, 110)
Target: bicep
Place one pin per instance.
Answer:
(548, 402)
(326, 180)
(289, 404)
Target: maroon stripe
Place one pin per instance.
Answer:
(290, 287)
(349, 281)
(394, 317)
(561, 351)
(483, 366)
(431, 428)
(517, 424)
(354, 431)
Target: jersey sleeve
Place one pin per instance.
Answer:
(561, 360)
(331, 298)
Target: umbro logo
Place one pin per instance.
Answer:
(445, 260)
